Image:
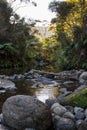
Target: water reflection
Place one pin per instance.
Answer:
(41, 93)
(46, 93)
(26, 89)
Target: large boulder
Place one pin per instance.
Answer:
(78, 98)
(22, 112)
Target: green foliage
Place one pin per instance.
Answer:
(78, 98)
(32, 48)
(84, 64)
(71, 33)
(14, 49)
(59, 59)
(49, 46)
(8, 47)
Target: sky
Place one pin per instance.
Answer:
(40, 12)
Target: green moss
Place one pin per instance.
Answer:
(76, 99)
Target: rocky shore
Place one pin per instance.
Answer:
(68, 111)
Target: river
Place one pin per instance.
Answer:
(25, 88)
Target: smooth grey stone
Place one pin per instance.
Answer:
(58, 109)
(50, 102)
(76, 109)
(7, 85)
(69, 115)
(79, 115)
(63, 90)
(65, 124)
(23, 111)
(56, 118)
(68, 83)
(78, 122)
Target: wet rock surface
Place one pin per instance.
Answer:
(22, 112)
(78, 98)
(69, 120)
(64, 116)
(6, 85)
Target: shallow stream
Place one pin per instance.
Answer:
(23, 88)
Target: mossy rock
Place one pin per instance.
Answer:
(78, 98)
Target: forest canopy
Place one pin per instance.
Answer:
(71, 32)
(64, 48)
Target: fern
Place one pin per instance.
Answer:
(8, 46)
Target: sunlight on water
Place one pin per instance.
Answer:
(46, 93)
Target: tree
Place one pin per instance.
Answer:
(71, 31)
(14, 34)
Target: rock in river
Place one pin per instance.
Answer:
(6, 85)
(78, 98)
(83, 78)
(22, 112)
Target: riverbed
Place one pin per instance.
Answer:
(27, 84)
